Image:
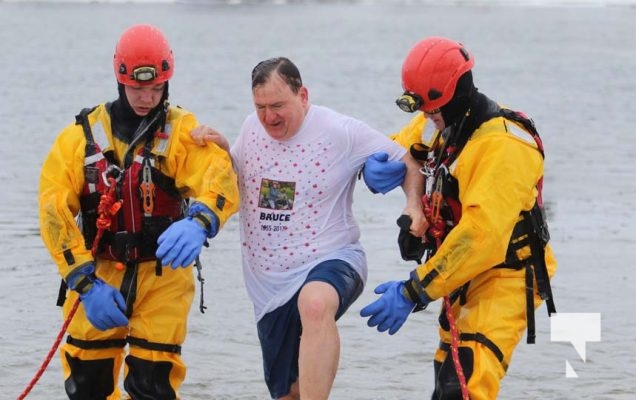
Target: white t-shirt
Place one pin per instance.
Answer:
(296, 198)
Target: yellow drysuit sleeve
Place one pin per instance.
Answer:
(202, 172)
(61, 183)
(411, 132)
(497, 174)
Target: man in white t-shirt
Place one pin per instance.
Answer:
(303, 264)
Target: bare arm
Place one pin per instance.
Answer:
(413, 187)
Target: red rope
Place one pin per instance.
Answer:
(49, 356)
(454, 349)
(437, 229)
(107, 208)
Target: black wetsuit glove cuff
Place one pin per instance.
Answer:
(81, 278)
(414, 292)
(205, 217)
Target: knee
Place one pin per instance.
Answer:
(89, 379)
(148, 379)
(317, 303)
(312, 309)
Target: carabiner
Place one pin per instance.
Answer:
(112, 171)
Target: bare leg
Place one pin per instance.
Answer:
(320, 342)
(293, 394)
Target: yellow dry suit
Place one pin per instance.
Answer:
(488, 249)
(155, 175)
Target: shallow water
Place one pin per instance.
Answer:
(570, 68)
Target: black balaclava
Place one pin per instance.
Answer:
(456, 108)
(467, 110)
(125, 121)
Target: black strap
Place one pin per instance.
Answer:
(96, 344)
(158, 268)
(128, 287)
(82, 119)
(68, 257)
(528, 124)
(543, 284)
(531, 231)
(120, 343)
(61, 295)
(531, 331)
(538, 242)
(145, 344)
(482, 339)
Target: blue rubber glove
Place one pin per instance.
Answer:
(391, 310)
(382, 175)
(181, 243)
(104, 305)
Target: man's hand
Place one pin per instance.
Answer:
(203, 134)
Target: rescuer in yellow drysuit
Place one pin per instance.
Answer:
(486, 243)
(147, 198)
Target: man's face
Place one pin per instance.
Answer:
(280, 110)
(142, 99)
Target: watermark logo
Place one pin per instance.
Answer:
(577, 328)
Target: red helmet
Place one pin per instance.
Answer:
(143, 56)
(431, 71)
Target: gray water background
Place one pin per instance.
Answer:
(570, 68)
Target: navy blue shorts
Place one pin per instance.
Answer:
(279, 330)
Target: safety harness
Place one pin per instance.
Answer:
(125, 210)
(150, 199)
(526, 248)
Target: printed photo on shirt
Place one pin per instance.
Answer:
(276, 195)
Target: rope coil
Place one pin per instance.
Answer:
(107, 208)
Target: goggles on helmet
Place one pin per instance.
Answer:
(409, 102)
(144, 74)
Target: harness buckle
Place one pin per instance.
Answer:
(112, 171)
